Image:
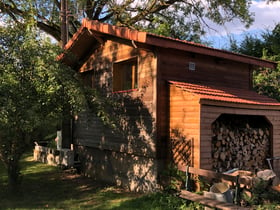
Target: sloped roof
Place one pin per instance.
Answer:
(92, 32)
(224, 94)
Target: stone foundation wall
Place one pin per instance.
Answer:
(129, 171)
(52, 156)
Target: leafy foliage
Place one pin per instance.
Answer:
(250, 45)
(262, 194)
(177, 18)
(266, 45)
(34, 89)
(266, 81)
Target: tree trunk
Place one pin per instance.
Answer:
(11, 153)
(13, 171)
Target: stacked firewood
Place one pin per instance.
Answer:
(244, 147)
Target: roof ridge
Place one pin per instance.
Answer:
(120, 31)
(142, 36)
(89, 27)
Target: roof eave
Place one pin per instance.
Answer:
(158, 41)
(117, 31)
(201, 49)
(211, 102)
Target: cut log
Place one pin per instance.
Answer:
(245, 147)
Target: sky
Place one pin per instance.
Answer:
(266, 17)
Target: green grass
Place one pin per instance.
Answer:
(48, 187)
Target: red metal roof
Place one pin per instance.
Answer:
(225, 94)
(92, 29)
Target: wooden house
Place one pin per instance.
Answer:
(168, 101)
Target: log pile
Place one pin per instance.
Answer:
(244, 147)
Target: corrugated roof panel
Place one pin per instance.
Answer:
(225, 94)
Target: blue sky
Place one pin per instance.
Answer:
(266, 17)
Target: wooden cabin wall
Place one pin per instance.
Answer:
(132, 112)
(174, 65)
(136, 106)
(184, 127)
(210, 113)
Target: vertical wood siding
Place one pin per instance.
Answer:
(174, 65)
(184, 126)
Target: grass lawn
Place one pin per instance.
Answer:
(48, 187)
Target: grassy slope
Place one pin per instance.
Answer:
(47, 187)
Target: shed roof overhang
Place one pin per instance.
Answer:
(228, 97)
(92, 32)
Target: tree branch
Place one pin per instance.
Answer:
(98, 10)
(11, 9)
(90, 8)
(153, 8)
(52, 30)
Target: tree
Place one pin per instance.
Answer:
(266, 81)
(34, 88)
(250, 45)
(269, 41)
(177, 18)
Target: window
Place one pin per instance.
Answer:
(125, 75)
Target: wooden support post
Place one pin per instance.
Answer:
(236, 197)
(187, 178)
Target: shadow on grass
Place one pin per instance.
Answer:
(153, 201)
(46, 186)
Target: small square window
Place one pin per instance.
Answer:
(125, 76)
(192, 66)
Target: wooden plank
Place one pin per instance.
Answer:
(209, 201)
(213, 175)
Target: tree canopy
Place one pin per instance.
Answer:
(266, 81)
(34, 88)
(176, 18)
(252, 45)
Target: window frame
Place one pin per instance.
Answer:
(119, 75)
